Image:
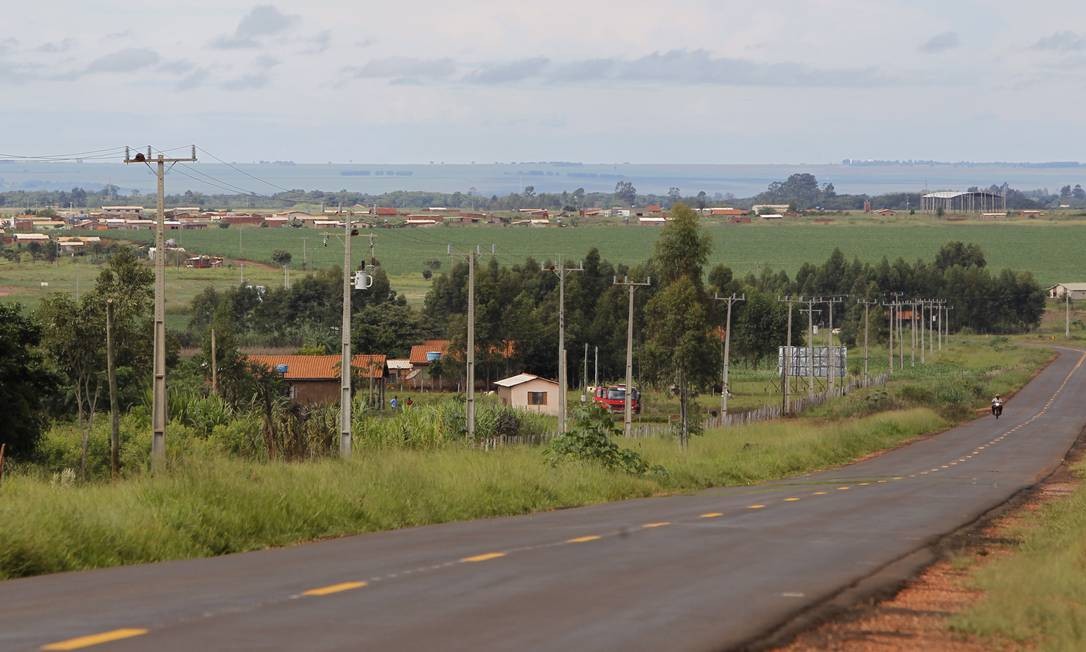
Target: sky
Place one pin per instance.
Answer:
(643, 81)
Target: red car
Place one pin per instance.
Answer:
(613, 399)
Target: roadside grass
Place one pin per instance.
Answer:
(208, 504)
(212, 499)
(1036, 596)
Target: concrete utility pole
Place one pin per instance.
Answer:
(786, 363)
(345, 348)
(114, 411)
(214, 365)
(811, 312)
(890, 346)
(596, 369)
(867, 327)
(832, 360)
(584, 379)
(922, 343)
(724, 384)
(470, 353)
(627, 421)
(563, 381)
(158, 401)
(1067, 316)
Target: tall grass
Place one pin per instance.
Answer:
(208, 504)
(1036, 597)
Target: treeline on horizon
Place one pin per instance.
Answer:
(800, 191)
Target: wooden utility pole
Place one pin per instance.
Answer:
(627, 421)
(563, 381)
(114, 411)
(724, 381)
(158, 401)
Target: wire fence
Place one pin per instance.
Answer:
(643, 430)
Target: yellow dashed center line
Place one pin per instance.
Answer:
(791, 499)
(584, 539)
(759, 506)
(486, 556)
(334, 588)
(652, 525)
(95, 639)
(843, 488)
(712, 515)
(820, 493)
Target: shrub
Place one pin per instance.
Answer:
(590, 440)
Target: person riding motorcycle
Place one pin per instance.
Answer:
(997, 406)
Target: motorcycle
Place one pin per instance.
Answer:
(997, 409)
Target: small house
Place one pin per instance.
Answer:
(530, 393)
(1077, 291)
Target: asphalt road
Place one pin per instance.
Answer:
(708, 571)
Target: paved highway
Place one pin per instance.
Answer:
(714, 570)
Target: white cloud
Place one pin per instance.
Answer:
(261, 21)
(1062, 42)
(941, 43)
(126, 60)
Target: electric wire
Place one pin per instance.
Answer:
(237, 169)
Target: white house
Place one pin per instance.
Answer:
(1061, 290)
(530, 393)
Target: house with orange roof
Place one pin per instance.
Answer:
(315, 379)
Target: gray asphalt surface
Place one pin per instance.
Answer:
(702, 572)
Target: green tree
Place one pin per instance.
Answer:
(678, 345)
(625, 193)
(281, 257)
(25, 383)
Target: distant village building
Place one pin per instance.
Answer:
(1061, 290)
(423, 356)
(530, 393)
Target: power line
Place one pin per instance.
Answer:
(109, 152)
(237, 169)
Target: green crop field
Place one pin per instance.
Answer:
(1051, 250)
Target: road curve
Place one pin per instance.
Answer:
(709, 571)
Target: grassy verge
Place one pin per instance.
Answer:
(213, 501)
(212, 505)
(1036, 596)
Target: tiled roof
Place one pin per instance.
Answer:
(321, 367)
(419, 351)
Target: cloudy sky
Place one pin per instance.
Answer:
(703, 81)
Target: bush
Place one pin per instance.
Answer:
(590, 440)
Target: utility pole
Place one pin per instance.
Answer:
(867, 327)
(832, 360)
(787, 361)
(114, 411)
(922, 343)
(563, 382)
(596, 369)
(584, 379)
(724, 384)
(890, 346)
(810, 310)
(373, 260)
(470, 353)
(214, 365)
(627, 421)
(1067, 316)
(345, 348)
(158, 401)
